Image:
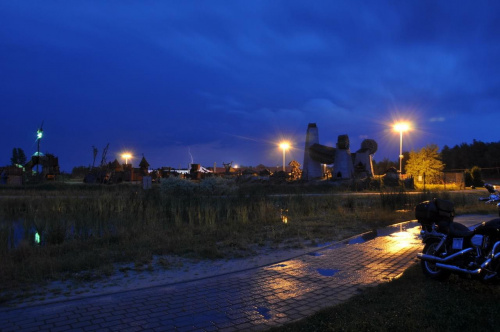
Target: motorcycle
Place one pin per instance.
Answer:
(494, 196)
(451, 247)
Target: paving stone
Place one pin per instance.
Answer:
(254, 299)
(61, 328)
(81, 324)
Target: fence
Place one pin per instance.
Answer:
(456, 179)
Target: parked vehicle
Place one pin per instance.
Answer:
(494, 196)
(451, 247)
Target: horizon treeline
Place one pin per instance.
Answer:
(461, 157)
(466, 156)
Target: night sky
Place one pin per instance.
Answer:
(220, 81)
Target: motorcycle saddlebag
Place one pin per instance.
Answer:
(434, 211)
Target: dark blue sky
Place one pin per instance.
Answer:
(220, 81)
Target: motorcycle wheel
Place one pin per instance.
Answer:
(429, 268)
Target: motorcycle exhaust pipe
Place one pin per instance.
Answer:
(471, 272)
(430, 258)
(457, 269)
(489, 260)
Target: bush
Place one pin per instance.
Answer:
(218, 186)
(177, 186)
(477, 180)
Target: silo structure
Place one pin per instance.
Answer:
(363, 160)
(311, 169)
(343, 167)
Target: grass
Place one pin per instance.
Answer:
(90, 228)
(412, 303)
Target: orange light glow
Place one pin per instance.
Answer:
(403, 240)
(126, 156)
(284, 145)
(401, 126)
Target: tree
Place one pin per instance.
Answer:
(477, 180)
(425, 162)
(381, 167)
(15, 157)
(18, 157)
(465, 156)
(468, 178)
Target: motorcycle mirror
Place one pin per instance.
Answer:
(490, 188)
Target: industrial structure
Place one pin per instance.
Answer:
(346, 165)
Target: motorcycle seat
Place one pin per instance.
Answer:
(459, 230)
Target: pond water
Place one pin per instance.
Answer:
(13, 233)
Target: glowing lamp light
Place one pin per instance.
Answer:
(37, 238)
(284, 146)
(126, 156)
(401, 127)
(39, 134)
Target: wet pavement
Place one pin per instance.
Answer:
(254, 299)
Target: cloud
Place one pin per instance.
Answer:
(225, 75)
(437, 119)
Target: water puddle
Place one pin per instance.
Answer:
(327, 272)
(18, 232)
(12, 234)
(386, 231)
(284, 215)
(264, 312)
(363, 238)
(336, 246)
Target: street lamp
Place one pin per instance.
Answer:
(284, 146)
(39, 135)
(126, 156)
(401, 127)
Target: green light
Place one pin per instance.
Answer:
(37, 238)
(39, 134)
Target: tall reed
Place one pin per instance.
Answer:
(93, 228)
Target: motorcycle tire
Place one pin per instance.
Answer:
(429, 268)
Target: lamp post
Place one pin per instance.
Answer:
(284, 146)
(39, 135)
(126, 156)
(401, 127)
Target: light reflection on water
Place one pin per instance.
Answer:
(14, 233)
(284, 215)
(296, 278)
(400, 230)
(404, 240)
(286, 284)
